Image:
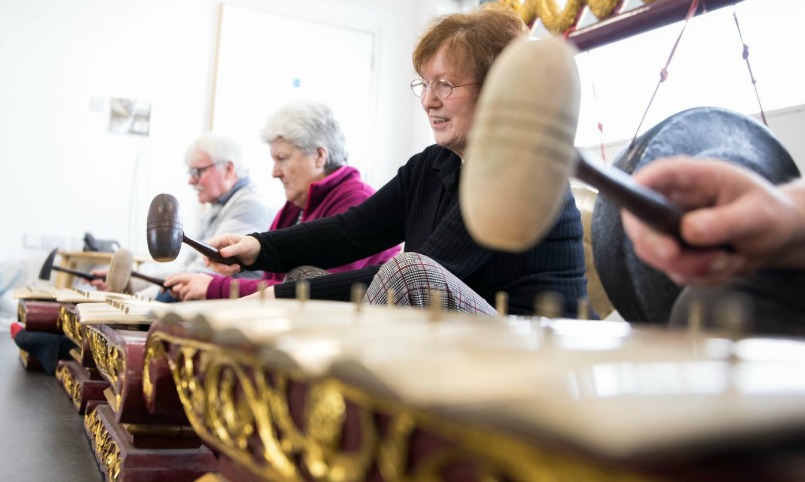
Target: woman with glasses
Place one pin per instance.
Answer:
(309, 152)
(420, 205)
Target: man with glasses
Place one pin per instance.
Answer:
(216, 171)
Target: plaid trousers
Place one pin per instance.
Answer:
(413, 277)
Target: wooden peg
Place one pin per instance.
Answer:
(502, 303)
(357, 292)
(583, 309)
(261, 289)
(733, 314)
(695, 316)
(302, 290)
(548, 304)
(234, 289)
(435, 305)
(391, 298)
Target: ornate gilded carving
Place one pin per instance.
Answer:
(282, 425)
(227, 402)
(559, 20)
(556, 19)
(154, 349)
(70, 384)
(243, 408)
(107, 450)
(604, 8)
(109, 360)
(70, 326)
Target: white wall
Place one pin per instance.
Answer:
(62, 173)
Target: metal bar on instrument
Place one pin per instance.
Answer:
(641, 19)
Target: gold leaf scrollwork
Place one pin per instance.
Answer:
(555, 19)
(107, 451)
(228, 407)
(189, 387)
(325, 412)
(559, 20)
(226, 402)
(263, 401)
(603, 8)
(526, 9)
(393, 449)
(154, 350)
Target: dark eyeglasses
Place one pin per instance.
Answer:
(440, 88)
(196, 172)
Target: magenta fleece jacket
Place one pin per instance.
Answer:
(332, 195)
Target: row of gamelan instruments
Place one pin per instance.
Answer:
(302, 389)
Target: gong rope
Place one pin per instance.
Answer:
(694, 4)
(745, 56)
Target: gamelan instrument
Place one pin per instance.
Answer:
(284, 389)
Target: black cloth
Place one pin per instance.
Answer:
(420, 206)
(48, 348)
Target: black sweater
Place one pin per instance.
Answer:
(419, 207)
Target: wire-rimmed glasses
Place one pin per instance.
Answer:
(440, 88)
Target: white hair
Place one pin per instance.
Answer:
(309, 125)
(220, 149)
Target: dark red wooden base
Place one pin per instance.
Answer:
(112, 447)
(79, 384)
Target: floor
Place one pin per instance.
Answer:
(41, 435)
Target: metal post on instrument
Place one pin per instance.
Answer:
(302, 291)
(583, 309)
(548, 304)
(502, 303)
(234, 289)
(435, 305)
(357, 293)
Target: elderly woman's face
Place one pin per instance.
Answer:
(296, 169)
(450, 118)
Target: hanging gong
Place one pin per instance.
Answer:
(641, 293)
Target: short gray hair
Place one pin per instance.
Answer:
(220, 149)
(308, 125)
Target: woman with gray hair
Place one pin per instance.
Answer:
(309, 153)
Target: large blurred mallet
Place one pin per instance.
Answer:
(520, 153)
(165, 234)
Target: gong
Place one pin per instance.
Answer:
(639, 292)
